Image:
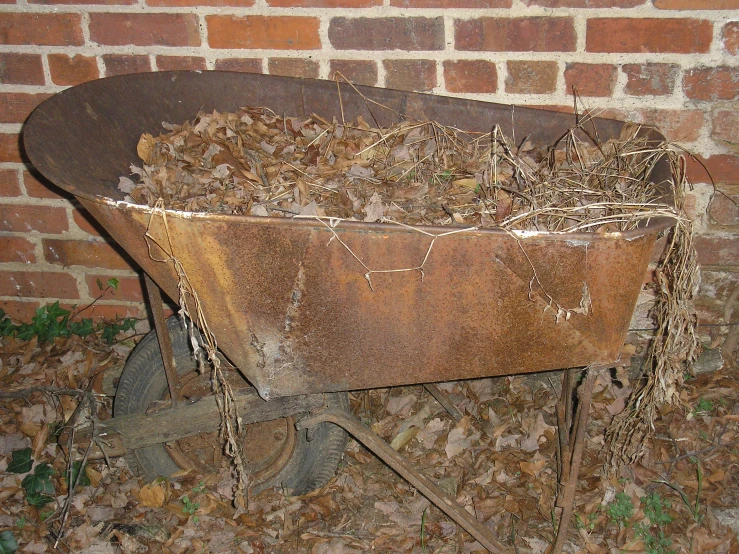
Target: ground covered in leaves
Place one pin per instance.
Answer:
(499, 461)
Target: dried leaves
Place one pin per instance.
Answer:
(255, 162)
(367, 507)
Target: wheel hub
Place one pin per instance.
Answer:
(267, 446)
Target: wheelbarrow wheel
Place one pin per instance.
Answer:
(276, 453)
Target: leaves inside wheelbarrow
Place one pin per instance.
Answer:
(255, 162)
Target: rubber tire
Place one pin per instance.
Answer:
(143, 381)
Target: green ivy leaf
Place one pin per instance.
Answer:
(6, 326)
(55, 311)
(82, 328)
(38, 482)
(8, 544)
(79, 476)
(100, 285)
(21, 461)
(109, 333)
(113, 283)
(39, 500)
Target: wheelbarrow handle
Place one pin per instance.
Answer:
(428, 488)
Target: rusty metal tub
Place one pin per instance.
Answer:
(290, 304)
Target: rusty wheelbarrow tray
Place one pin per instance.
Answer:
(289, 300)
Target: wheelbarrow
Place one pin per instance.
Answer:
(291, 306)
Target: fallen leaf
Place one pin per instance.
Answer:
(469, 183)
(402, 438)
(504, 206)
(152, 495)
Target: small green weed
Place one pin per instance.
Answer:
(703, 406)
(658, 544)
(694, 507)
(199, 488)
(653, 535)
(621, 509)
(190, 507)
(654, 509)
(588, 525)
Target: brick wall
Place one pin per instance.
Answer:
(671, 63)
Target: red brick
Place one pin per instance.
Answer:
(717, 250)
(17, 249)
(83, 2)
(709, 312)
(87, 223)
(718, 285)
(324, 3)
(590, 79)
(169, 63)
(414, 75)
(724, 208)
(129, 288)
(38, 284)
(247, 65)
(19, 310)
(9, 183)
(676, 125)
(480, 76)
(650, 79)
(725, 124)
(21, 69)
(42, 188)
(10, 148)
(122, 64)
(15, 107)
(144, 29)
(731, 37)
(359, 72)
(711, 83)
(451, 4)
(21, 219)
(72, 70)
(585, 3)
(387, 33)
(682, 36)
(41, 29)
(86, 253)
(526, 77)
(529, 34)
(267, 32)
(724, 168)
(696, 4)
(195, 3)
(293, 67)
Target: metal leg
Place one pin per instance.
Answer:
(165, 343)
(572, 440)
(443, 399)
(406, 470)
